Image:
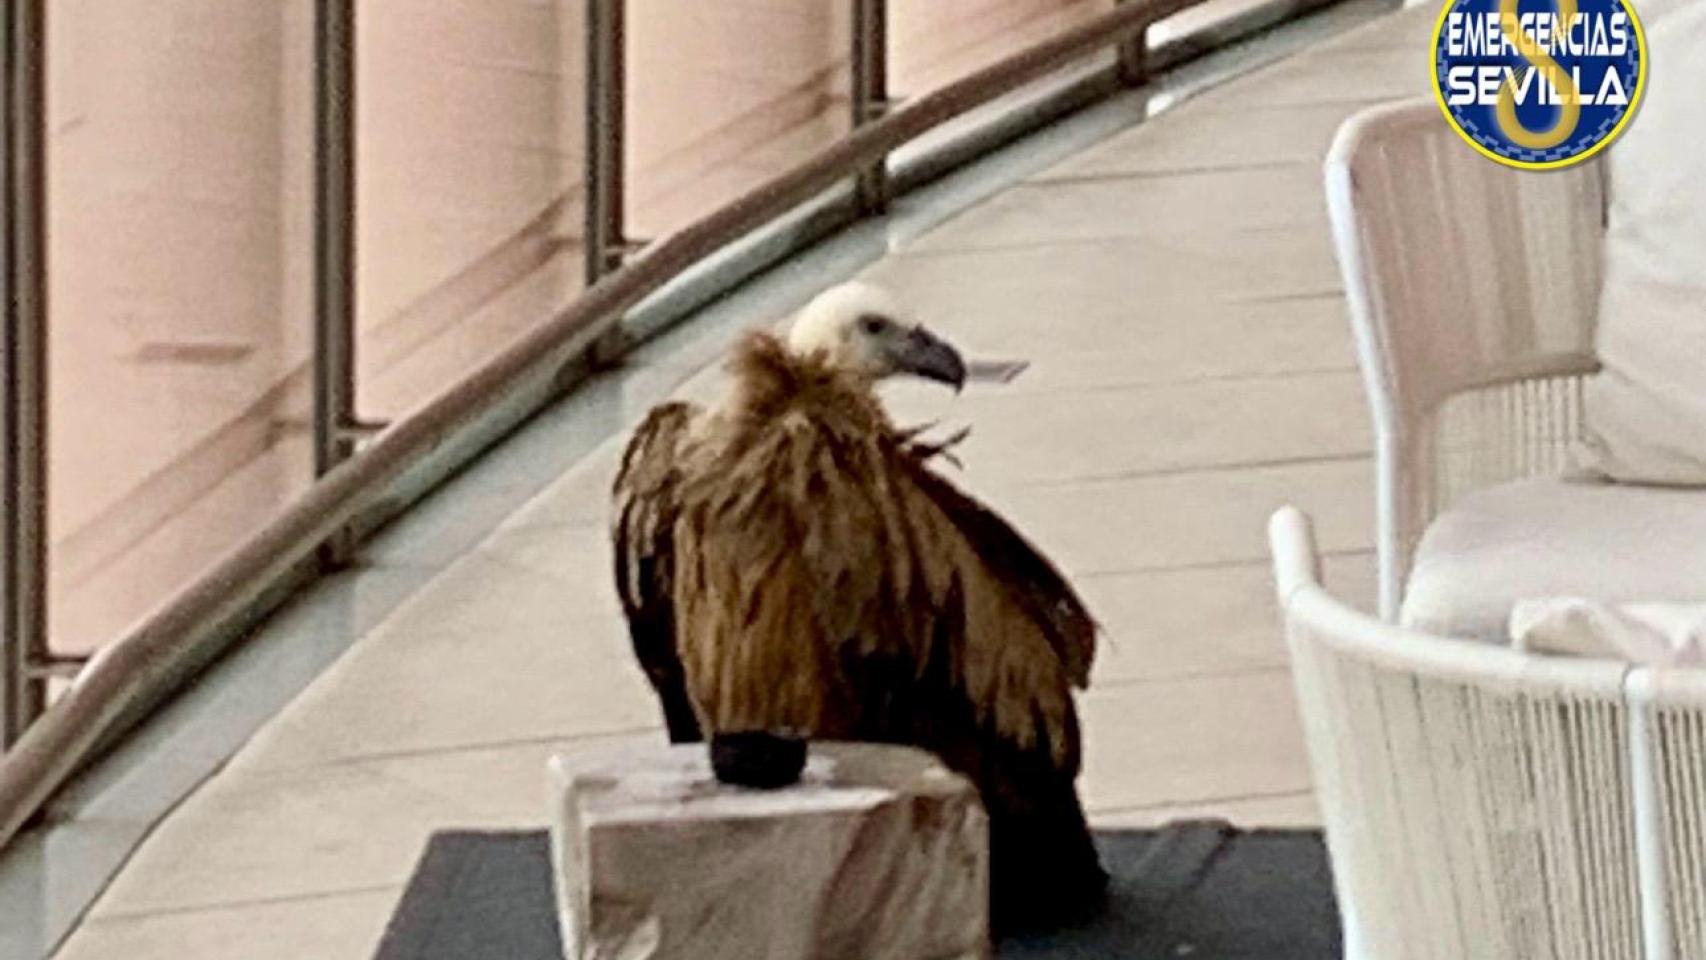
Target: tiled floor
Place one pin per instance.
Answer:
(1191, 371)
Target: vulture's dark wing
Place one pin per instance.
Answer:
(1044, 867)
(645, 506)
(1036, 585)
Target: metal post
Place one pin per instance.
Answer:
(1133, 57)
(23, 385)
(335, 423)
(1646, 786)
(606, 125)
(870, 92)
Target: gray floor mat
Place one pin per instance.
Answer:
(1202, 890)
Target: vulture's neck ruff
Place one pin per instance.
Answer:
(770, 380)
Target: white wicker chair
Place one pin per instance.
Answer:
(1480, 802)
(1473, 290)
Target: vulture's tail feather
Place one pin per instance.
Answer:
(1044, 869)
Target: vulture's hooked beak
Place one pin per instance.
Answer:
(928, 356)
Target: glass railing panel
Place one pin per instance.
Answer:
(469, 143)
(722, 96)
(933, 42)
(179, 158)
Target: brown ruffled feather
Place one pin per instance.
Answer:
(825, 578)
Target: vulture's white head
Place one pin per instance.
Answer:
(862, 329)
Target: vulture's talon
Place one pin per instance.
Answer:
(923, 450)
(906, 435)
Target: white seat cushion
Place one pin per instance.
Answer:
(1645, 634)
(1550, 537)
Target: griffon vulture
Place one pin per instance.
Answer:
(789, 559)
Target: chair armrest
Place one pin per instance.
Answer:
(1463, 277)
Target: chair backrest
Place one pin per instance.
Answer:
(1460, 272)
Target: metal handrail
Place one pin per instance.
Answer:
(139, 669)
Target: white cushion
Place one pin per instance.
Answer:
(1550, 537)
(1646, 412)
(1646, 634)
